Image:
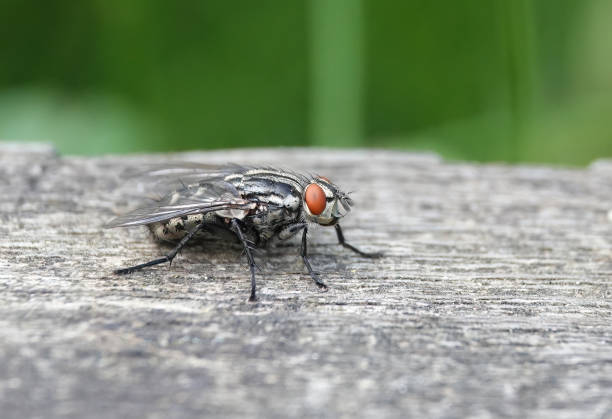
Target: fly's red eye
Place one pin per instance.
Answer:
(315, 199)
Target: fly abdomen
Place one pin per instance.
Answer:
(176, 228)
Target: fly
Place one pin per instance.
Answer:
(255, 204)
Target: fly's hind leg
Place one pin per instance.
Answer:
(342, 242)
(167, 258)
(249, 255)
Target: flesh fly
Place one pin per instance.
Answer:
(255, 204)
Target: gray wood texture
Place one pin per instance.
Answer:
(493, 298)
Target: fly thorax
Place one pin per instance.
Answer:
(292, 202)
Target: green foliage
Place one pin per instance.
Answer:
(512, 80)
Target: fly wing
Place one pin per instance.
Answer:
(170, 176)
(199, 198)
(186, 168)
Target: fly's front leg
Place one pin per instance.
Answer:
(304, 253)
(167, 258)
(249, 255)
(353, 248)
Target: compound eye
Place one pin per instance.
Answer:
(315, 199)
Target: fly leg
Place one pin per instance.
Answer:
(249, 255)
(353, 248)
(304, 253)
(290, 230)
(167, 258)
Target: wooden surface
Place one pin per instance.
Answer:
(493, 299)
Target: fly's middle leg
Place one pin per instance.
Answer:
(167, 258)
(249, 255)
(290, 230)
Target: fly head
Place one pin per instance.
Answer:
(324, 202)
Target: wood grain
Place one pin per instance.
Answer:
(493, 298)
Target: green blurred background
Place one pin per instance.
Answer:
(509, 80)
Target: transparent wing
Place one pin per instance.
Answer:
(174, 169)
(174, 175)
(197, 198)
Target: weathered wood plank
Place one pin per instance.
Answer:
(493, 299)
